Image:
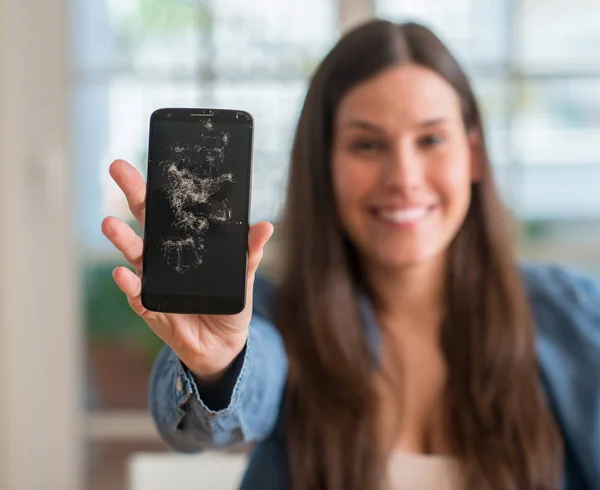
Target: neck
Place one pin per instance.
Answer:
(411, 294)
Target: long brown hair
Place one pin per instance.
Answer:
(500, 427)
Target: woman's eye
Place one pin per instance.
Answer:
(366, 146)
(430, 140)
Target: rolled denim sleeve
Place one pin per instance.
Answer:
(187, 424)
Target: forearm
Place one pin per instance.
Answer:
(242, 406)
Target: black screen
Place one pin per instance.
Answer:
(197, 207)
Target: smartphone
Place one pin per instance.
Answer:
(197, 211)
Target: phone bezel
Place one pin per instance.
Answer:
(200, 304)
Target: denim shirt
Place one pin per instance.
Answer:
(248, 404)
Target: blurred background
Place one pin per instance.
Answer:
(78, 81)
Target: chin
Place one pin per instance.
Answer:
(405, 258)
(401, 262)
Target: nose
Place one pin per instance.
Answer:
(404, 170)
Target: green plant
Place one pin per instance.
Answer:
(537, 229)
(108, 317)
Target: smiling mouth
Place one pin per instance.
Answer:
(405, 216)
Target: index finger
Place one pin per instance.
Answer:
(133, 186)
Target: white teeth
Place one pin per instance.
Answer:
(404, 215)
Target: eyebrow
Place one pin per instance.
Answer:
(433, 122)
(358, 123)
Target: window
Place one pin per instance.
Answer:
(538, 82)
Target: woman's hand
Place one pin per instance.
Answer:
(205, 344)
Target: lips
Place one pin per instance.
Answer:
(406, 215)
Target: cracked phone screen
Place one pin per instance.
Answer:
(197, 208)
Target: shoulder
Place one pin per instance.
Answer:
(565, 305)
(560, 287)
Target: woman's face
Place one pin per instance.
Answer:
(402, 166)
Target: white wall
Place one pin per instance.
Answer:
(39, 339)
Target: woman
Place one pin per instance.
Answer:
(403, 347)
